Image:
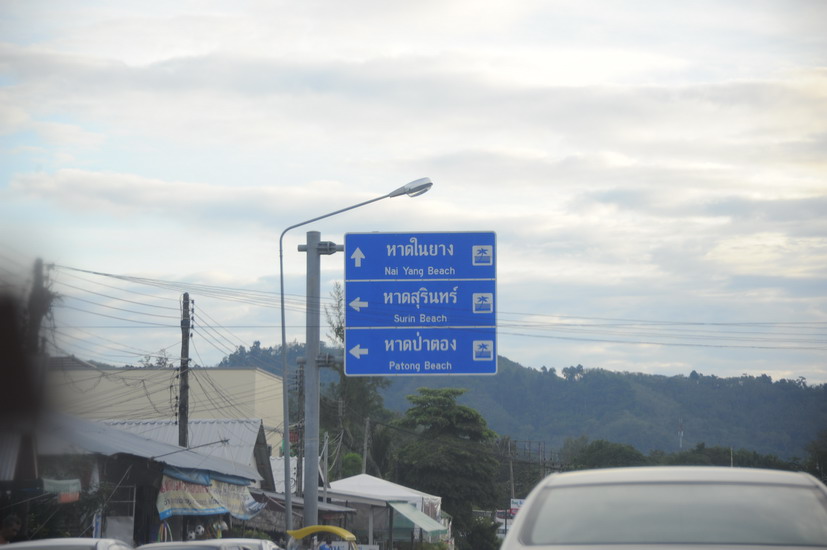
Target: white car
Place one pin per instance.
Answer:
(672, 507)
(213, 544)
(72, 543)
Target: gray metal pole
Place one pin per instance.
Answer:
(311, 381)
(183, 398)
(184, 384)
(412, 189)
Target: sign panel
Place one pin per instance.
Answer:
(420, 303)
(420, 256)
(421, 351)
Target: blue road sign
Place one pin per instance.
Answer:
(387, 352)
(398, 256)
(420, 303)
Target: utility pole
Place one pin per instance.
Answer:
(39, 304)
(510, 469)
(184, 384)
(338, 458)
(365, 446)
(23, 400)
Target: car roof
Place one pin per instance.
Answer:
(678, 474)
(169, 544)
(216, 543)
(65, 542)
(246, 541)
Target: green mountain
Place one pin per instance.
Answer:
(645, 411)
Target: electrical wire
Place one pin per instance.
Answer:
(763, 335)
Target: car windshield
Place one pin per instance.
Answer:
(676, 513)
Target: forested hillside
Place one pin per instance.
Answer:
(642, 410)
(646, 411)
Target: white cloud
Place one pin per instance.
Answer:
(130, 195)
(637, 159)
(771, 255)
(59, 134)
(12, 118)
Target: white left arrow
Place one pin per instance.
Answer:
(358, 352)
(358, 304)
(358, 256)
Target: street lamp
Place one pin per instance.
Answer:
(311, 458)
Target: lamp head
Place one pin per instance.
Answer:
(414, 188)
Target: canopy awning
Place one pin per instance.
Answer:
(423, 521)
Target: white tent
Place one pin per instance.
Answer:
(422, 509)
(367, 486)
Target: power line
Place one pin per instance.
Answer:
(654, 343)
(760, 335)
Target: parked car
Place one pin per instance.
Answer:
(671, 507)
(72, 543)
(213, 544)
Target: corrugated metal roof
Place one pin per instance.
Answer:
(240, 434)
(62, 434)
(298, 502)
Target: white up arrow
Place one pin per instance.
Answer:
(358, 352)
(358, 256)
(358, 304)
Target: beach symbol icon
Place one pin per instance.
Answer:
(482, 255)
(483, 350)
(483, 302)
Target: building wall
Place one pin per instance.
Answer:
(152, 393)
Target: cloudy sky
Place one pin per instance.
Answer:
(655, 172)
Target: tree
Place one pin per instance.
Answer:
(519, 470)
(351, 464)
(160, 361)
(573, 374)
(703, 455)
(605, 454)
(348, 402)
(450, 455)
(572, 447)
(268, 358)
(483, 535)
(817, 460)
(335, 314)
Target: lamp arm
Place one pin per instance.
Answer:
(323, 216)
